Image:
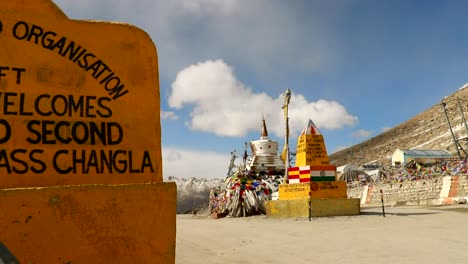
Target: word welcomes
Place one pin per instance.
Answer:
(57, 119)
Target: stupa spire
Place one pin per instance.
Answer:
(264, 134)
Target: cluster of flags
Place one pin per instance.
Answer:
(303, 174)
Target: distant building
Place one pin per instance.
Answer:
(371, 169)
(421, 156)
(346, 168)
(351, 172)
(347, 172)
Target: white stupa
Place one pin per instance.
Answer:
(265, 154)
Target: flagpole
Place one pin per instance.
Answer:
(286, 166)
(287, 97)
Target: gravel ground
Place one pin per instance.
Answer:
(406, 235)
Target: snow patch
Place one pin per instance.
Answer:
(193, 194)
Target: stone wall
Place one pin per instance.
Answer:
(441, 190)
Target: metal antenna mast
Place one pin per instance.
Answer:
(462, 115)
(464, 122)
(455, 141)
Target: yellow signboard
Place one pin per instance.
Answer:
(294, 191)
(79, 100)
(328, 189)
(311, 151)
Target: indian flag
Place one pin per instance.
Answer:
(323, 173)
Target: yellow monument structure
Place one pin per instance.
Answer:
(312, 189)
(80, 157)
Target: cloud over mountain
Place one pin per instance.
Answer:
(189, 163)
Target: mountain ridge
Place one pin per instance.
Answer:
(426, 130)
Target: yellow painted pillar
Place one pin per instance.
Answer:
(80, 141)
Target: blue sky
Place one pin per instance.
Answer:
(355, 67)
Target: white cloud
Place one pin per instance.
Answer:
(226, 107)
(362, 133)
(169, 115)
(184, 163)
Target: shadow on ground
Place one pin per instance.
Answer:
(399, 214)
(458, 210)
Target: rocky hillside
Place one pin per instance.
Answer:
(427, 130)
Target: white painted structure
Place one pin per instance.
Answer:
(265, 156)
(423, 156)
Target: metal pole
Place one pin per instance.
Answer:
(310, 202)
(463, 115)
(287, 98)
(383, 206)
(464, 123)
(451, 130)
(286, 166)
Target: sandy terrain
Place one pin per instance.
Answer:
(405, 235)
